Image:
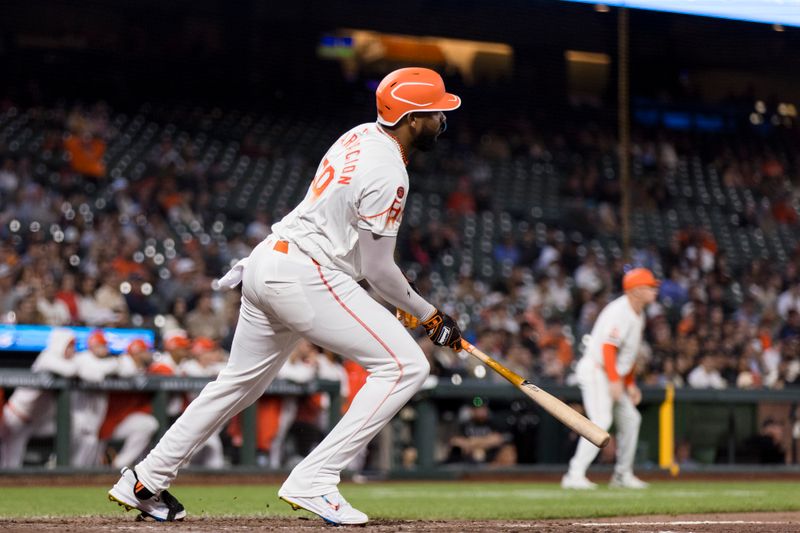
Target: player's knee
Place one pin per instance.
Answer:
(149, 425)
(418, 368)
(603, 422)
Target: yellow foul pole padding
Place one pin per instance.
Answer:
(666, 432)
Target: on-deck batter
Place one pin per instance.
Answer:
(302, 282)
(606, 379)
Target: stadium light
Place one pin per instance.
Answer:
(779, 13)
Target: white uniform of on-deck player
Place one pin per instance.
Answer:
(618, 324)
(618, 329)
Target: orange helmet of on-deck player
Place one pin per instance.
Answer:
(639, 277)
(412, 89)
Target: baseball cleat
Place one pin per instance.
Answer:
(574, 482)
(129, 493)
(627, 481)
(332, 508)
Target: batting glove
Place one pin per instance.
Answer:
(443, 331)
(407, 319)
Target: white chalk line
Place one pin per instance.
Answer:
(680, 523)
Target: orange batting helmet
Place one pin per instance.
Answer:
(412, 89)
(639, 277)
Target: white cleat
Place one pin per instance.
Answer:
(131, 494)
(574, 482)
(627, 481)
(332, 508)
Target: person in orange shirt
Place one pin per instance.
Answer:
(86, 154)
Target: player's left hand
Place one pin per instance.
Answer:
(635, 394)
(443, 330)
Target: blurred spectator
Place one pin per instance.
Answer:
(176, 318)
(789, 300)
(767, 447)
(462, 200)
(86, 154)
(587, 276)
(507, 251)
(90, 311)
(204, 321)
(791, 328)
(480, 440)
(109, 296)
(53, 310)
(706, 375)
(69, 295)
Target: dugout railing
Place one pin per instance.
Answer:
(161, 387)
(712, 422)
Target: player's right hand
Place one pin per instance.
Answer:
(634, 393)
(617, 389)
(443, 331)
(407, 319)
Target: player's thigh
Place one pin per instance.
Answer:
(260, 345)
(625, 413)
(349, 322)
(596, 397)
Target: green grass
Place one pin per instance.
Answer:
(434, 500)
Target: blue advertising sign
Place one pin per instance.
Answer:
(23, 338)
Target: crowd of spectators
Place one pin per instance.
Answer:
(80, 247)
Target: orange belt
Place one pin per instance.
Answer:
(281, 246)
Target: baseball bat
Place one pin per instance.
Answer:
(563, 412)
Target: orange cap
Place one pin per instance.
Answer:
(176, 339)
(639, 277)
(412, 89)
(97, 337)
(203, 344)
(137, 345)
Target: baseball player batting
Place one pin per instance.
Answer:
(606, 379)
(302, 282)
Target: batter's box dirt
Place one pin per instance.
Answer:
(706, 523)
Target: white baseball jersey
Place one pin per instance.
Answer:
(91, 406)
(620, 325)
(361, 183)
(28, 403)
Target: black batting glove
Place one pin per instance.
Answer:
(443, 331)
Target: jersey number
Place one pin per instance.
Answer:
(324, 179)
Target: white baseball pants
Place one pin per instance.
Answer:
(286, 296)
(17, 428)
(14, 436)
(135, 431)
(602, 410)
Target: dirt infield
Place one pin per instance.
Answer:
(711, 523)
